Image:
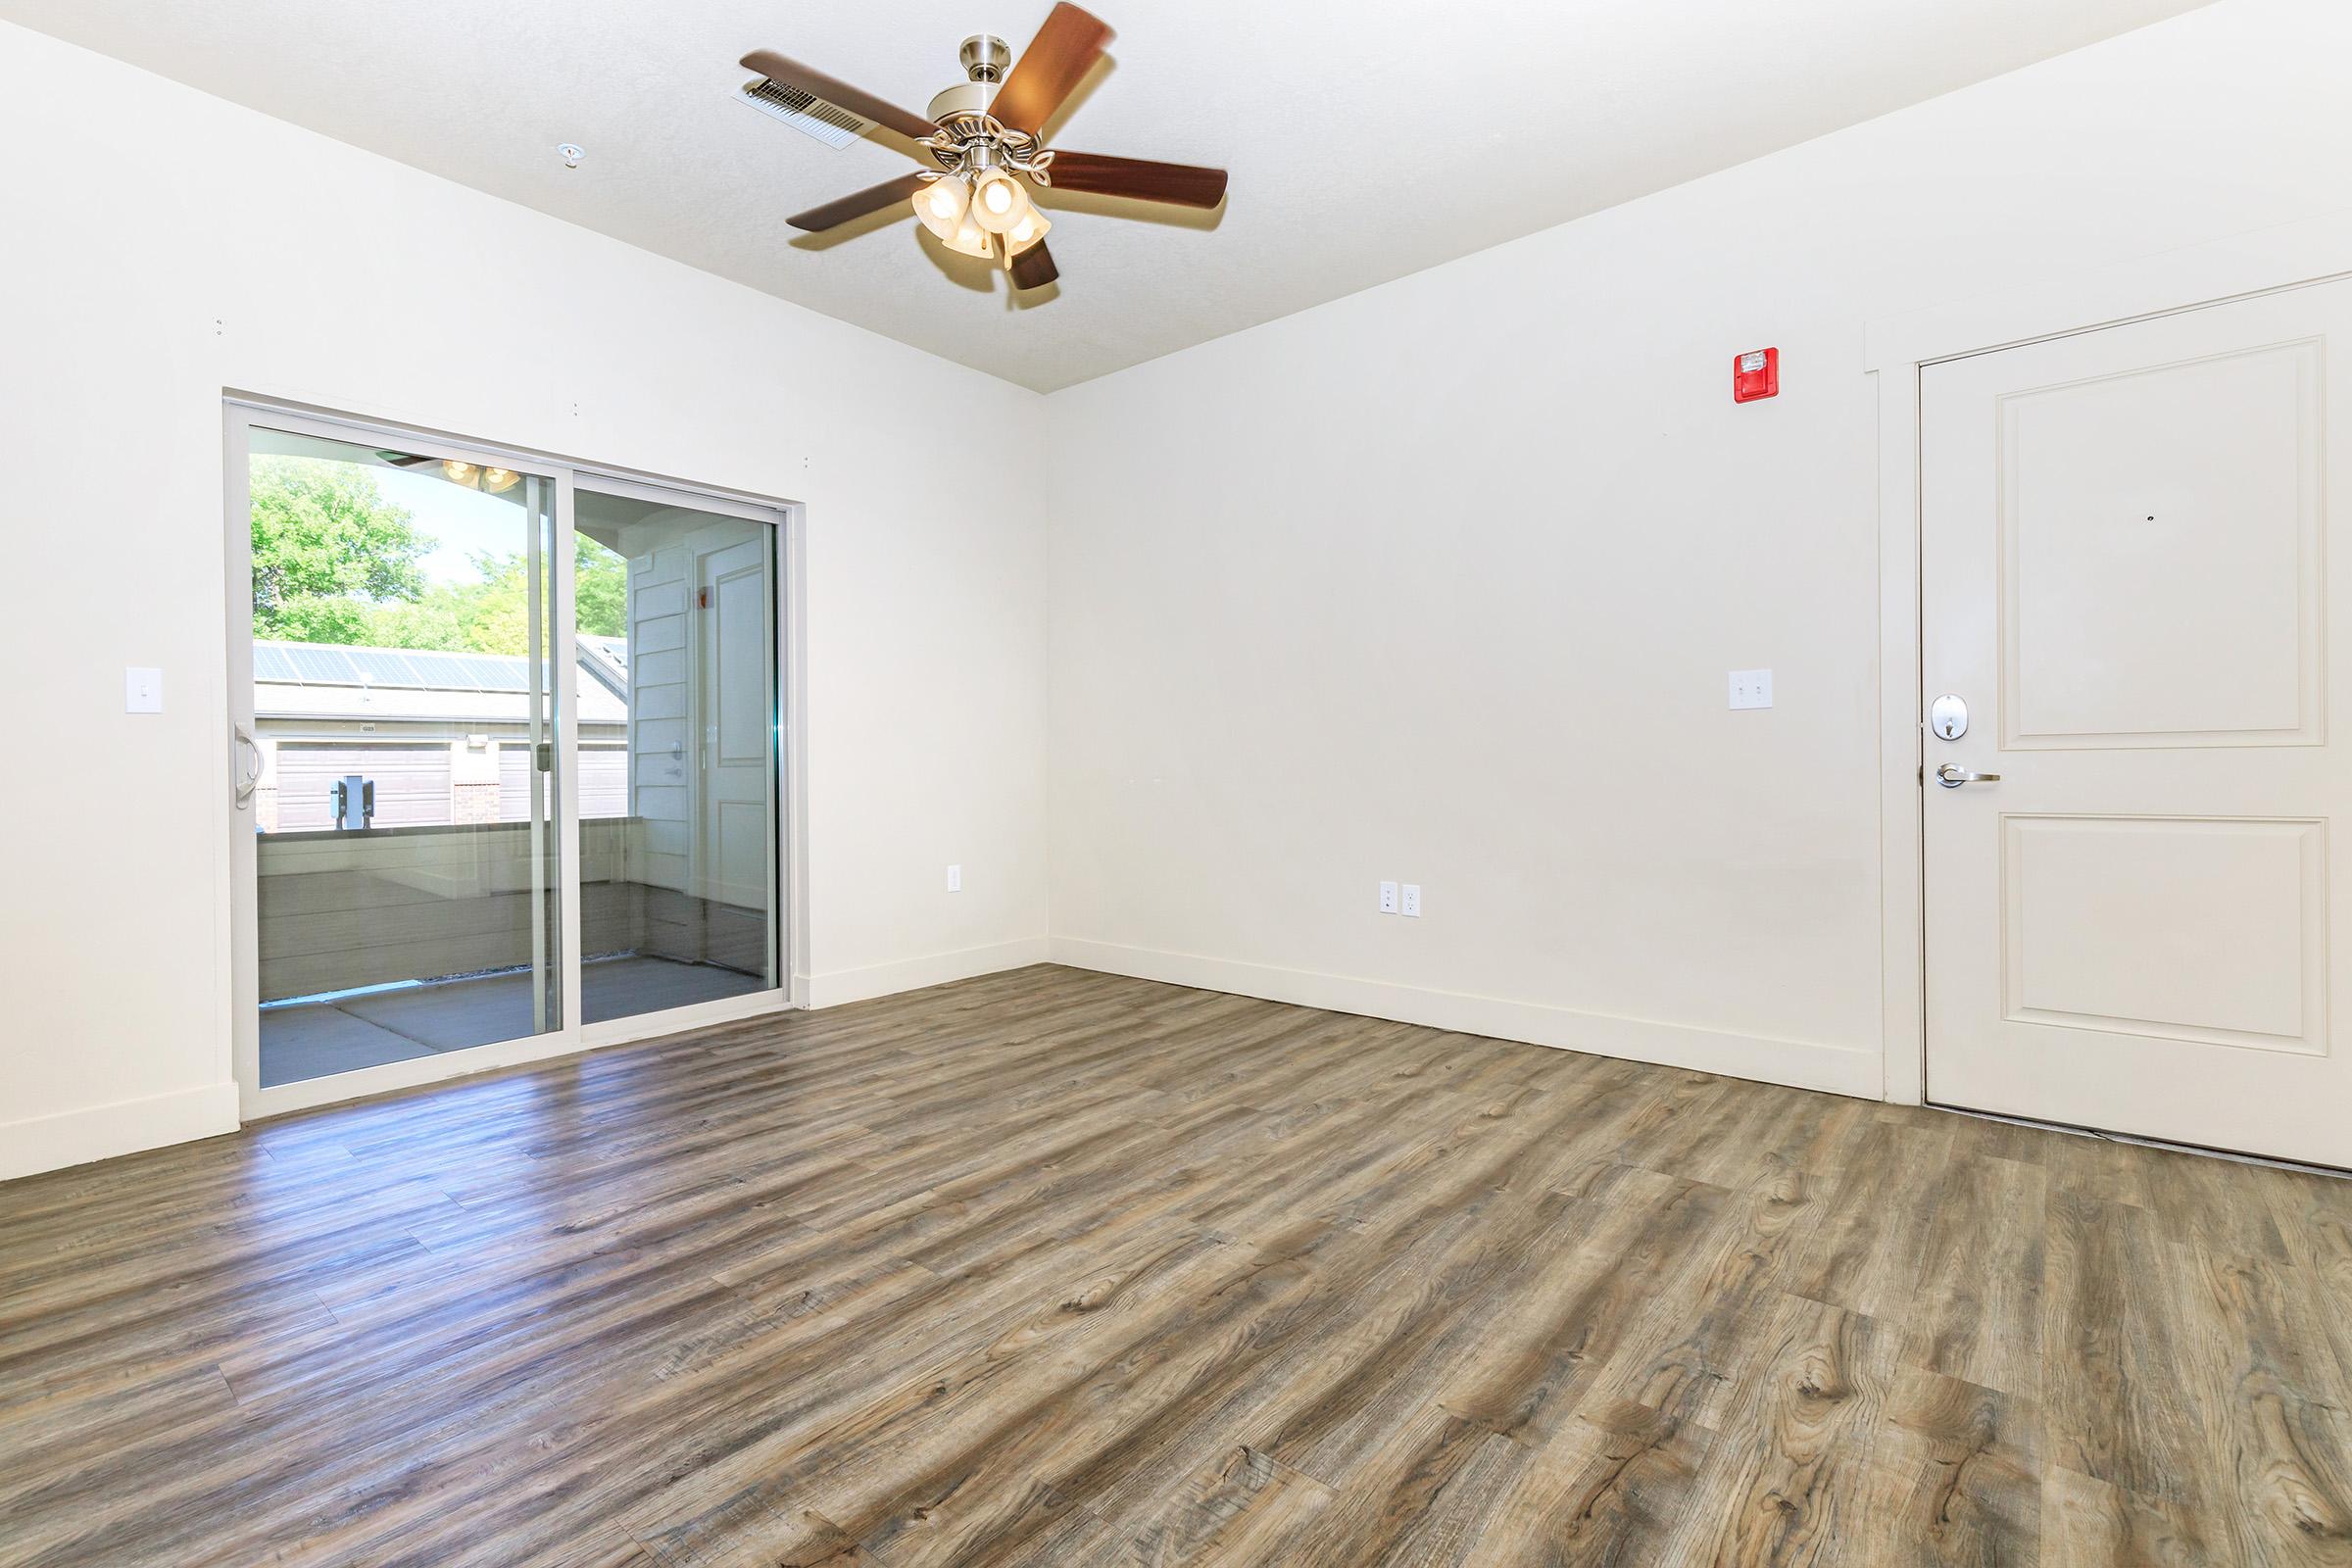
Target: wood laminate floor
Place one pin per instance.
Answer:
(1058, 1268)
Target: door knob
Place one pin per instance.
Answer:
(1952, 777)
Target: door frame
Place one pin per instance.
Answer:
(241, 412)
(1897, 350)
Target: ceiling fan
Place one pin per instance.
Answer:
(985, 135)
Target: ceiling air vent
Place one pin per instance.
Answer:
(829, 124)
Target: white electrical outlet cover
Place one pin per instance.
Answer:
(1412, 900)
(954, 879)
(1388, 898)
(1752, 688)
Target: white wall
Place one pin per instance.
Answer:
(1441, 582)
(162, 245)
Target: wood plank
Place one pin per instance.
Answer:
(2111, 1379)
(1958, 1476)
(1975, 1310)
(1613, 1484)
(2092, 1524)
(1796, 1479)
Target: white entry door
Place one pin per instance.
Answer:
(2133, 554)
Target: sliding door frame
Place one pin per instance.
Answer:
(243, 413)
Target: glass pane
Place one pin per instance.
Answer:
(677, 716)
(404, 700)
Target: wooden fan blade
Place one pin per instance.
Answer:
(1034, 268)
(1045, 72)
(833, 90)
(817, 220)
(1185, 185)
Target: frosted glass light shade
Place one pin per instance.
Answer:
(1027, 230)
(998, 200)
(941, 205)
(970, 238)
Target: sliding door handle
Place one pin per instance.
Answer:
(250, 777)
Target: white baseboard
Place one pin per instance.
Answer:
(101, 1132)
(1799, 1064)
(932, 969)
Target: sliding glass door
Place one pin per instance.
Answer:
(678, 821)
(506, 754)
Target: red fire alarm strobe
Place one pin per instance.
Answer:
(1756, 374)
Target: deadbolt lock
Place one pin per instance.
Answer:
(1947, 717)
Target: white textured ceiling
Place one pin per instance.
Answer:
(1366, 138)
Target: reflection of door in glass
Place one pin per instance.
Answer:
(678, 834)
(403, 738)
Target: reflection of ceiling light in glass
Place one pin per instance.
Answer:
(492, 481)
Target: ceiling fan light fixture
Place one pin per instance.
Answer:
(998, 200)
(942, 203)
(457, 473)
(987, 135)
(498, 481)
(1027, 230)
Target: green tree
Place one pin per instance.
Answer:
(492, 615)
(600, 589)
(328, 550)
(334, 562)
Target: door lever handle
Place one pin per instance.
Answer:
(1952, 777)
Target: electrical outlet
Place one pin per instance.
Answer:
(1412, 901)
(954, 879)
(1752, 688)
(1388, 898)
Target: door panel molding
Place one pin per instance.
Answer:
(2282, 861)
(2277, 680)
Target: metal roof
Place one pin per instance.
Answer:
(608, 660)
(415, 669)
(327, 680)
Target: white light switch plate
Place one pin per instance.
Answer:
(954, 879)
(1388, 898)
(1752, 688)
(142, 691)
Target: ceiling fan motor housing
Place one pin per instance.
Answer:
(986, 57)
